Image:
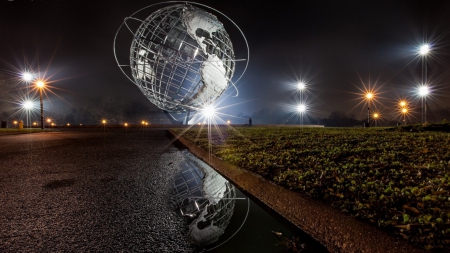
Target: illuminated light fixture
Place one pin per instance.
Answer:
(404, 110)
(369, 95)
(424, 49)
(209, 111)
(28, 105)
(301, 85)
(49, 120)
(301, 108)
(27, 76)
(376, 115)
(40, 84)
(402, 103)
(424, 90)
(104, 121)
(126, 124)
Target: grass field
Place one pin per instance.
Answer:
(6, 131)
(398, 180)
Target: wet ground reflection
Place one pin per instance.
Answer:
(220, 218)
(204, 198)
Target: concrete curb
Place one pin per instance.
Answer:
(337, 231)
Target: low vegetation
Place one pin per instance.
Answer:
(398, 179)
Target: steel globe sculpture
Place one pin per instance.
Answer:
(181, 57)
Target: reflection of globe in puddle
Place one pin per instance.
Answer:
(181, 58)
(205, 199)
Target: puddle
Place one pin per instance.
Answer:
(220, 218)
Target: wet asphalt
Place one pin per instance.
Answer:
(103, 190)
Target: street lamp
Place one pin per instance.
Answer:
(404, 112)
(369, 96)
(301, 86)
(28, 105)
(301, 108)
(40, 85)
(27, 76)
(376, 116)
(424, 90)
(424, 50)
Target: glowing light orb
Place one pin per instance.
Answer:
(404, 110)
(28, 105)
(301, 108)
(126, 124)
(49, 120)
(402, 103)
(301, 85)
(376, 115)
(40, 84)
(104, 121)
(369, 95)
(27, 76)
(425, 49)
(424, 90)
(209, 111)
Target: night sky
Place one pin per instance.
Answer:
(337, 47)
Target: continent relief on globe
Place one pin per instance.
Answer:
(200, 25)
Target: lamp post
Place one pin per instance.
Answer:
(403, 109)
(424, 50)
(368, 96)
(424, 90)
(404, 112)
(301, 109)
(28, 105)
(40, 85)
(376, 116)
(301, 86)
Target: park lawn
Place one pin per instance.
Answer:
(399, 181)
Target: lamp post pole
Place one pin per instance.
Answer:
(40, 85)
(424, 50)
(42, 109)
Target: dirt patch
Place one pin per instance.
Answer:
(59, 183)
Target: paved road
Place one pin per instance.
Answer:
(89, 191)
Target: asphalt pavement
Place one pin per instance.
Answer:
(104, 190)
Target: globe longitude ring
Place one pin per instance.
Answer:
(181, 57)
